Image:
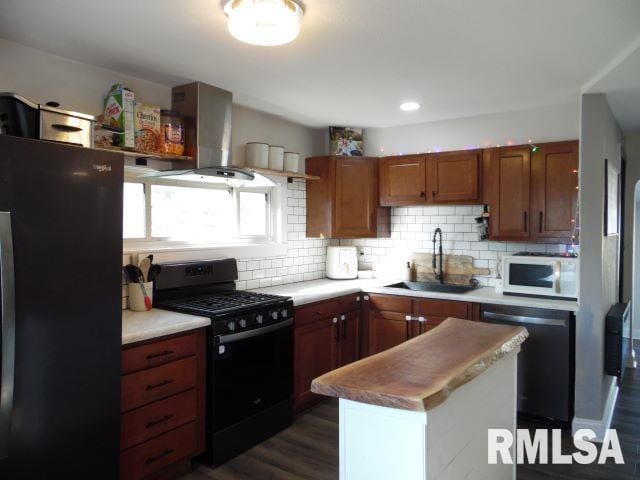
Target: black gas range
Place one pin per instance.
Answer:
(249, 353)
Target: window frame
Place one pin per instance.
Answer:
(273, 221)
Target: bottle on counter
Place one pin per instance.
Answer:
(407, 273)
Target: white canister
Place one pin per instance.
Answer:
(291, 161)
(257, 155)
(276, 157)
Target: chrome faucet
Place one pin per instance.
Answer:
(439, 274)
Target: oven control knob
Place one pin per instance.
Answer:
(284, 313)
(231, 326)
(274, 315)
(243, 323)
(259, 319)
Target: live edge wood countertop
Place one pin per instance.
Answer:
(421, 373)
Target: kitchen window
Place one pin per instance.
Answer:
(173, 213)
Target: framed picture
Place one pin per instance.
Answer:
(611, 199)
(346, 141)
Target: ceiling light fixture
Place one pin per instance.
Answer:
(409, 106)
(264, 22)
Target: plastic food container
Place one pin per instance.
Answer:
(291, 161)
(171, 133)
(276, 157)
(257, 155)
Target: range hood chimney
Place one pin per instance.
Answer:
(206, 113)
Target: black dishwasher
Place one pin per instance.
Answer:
(546, 363)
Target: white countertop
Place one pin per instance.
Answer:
(318, 290)
(139, 326)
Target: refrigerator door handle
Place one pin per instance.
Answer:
(7, 292)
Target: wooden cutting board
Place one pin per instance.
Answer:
(458, 269)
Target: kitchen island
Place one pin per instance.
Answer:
(421, 410)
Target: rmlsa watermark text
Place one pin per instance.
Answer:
(537, 449)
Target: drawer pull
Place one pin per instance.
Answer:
(166, 452)
(161, 354)
(161, 384)
(153, 423)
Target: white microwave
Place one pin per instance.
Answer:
(543, 275)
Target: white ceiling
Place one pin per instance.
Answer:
(620, 81)
(355, 60)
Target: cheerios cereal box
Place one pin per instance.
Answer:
(147, 127)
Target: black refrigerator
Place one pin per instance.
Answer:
(61, 257)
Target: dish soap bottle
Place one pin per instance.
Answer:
(407, 273)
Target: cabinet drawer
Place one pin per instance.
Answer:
(158, 353)
(154, 384)
(147, 422)
(443, 308)
(350, 302)
(391, 303)
(316, 311)
(154, 455)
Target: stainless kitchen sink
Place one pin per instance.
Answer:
(434, 287)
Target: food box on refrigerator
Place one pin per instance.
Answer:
(147, 127)
(118, 113)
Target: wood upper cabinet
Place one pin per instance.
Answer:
(455, 177)
(507, 181)
(403, 180)
(344, 202)
(449, 177)
(532, 195)
(554, 194)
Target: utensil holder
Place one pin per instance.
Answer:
(136, 297)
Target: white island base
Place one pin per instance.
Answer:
(448, 442)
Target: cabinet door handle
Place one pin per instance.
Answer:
(423, 194)
(166, 452)
(525, 218)
(153, 423)
(434, 193)
(358, 298)
(366, 297)
(337, 328)
(344, 326)
(161, 384)
(151, 356)
(540, 226)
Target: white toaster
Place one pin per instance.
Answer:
(342, 263)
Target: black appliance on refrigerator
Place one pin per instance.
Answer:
(60, 271)
(249, 353)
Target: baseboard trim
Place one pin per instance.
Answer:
(600, 426)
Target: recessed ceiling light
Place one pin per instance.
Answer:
(264, 22)
(409, 106)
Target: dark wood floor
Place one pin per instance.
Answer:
(309, 449)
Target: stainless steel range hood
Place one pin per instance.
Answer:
(206, 112)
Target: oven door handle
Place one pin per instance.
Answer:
(555, 322)
(234, 337)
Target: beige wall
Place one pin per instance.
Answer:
(43, 77)
(555, 122)
(600, 138)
